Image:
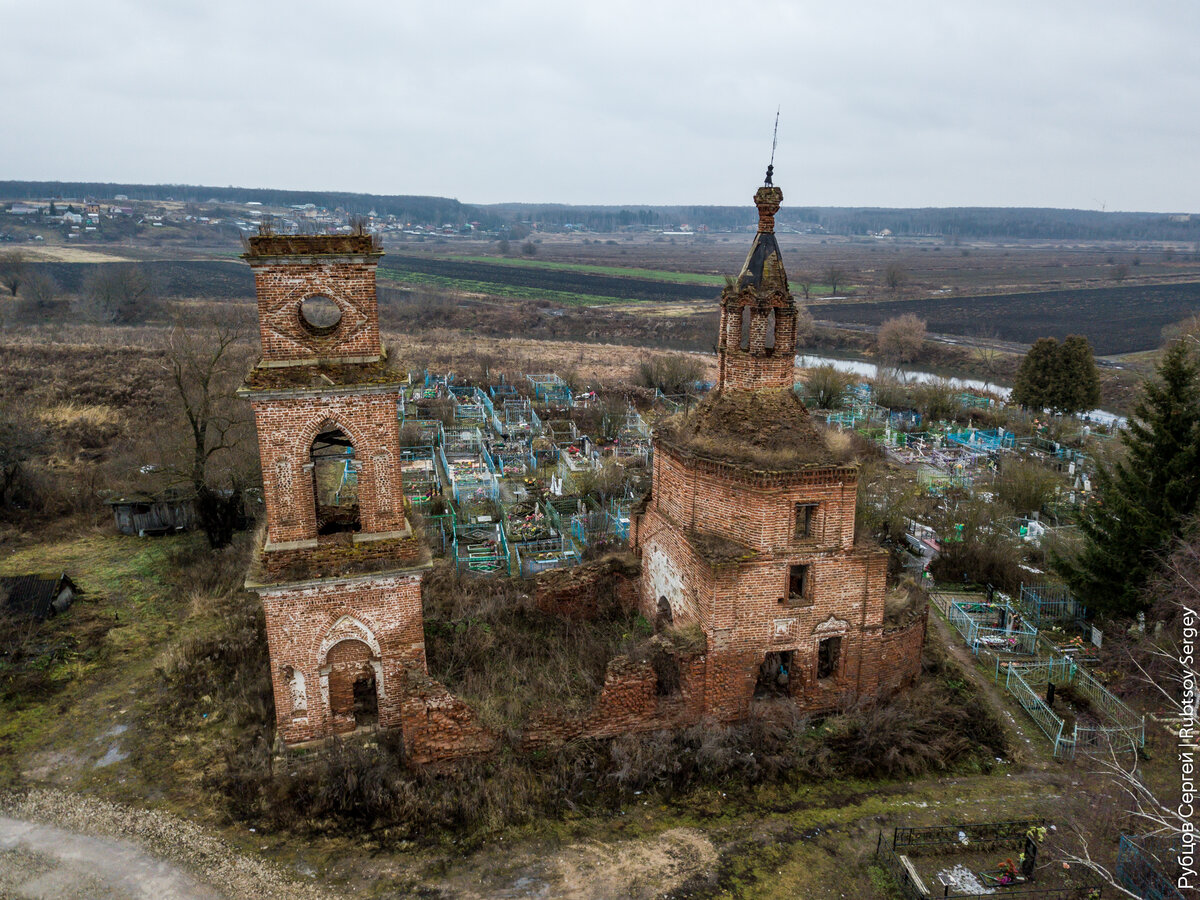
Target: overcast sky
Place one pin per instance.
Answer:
(955, 103)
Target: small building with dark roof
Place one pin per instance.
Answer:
(36, 596)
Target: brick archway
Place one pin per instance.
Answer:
(352, 670)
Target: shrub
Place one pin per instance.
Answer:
(671, 373)
(827, 385)
(1025, 486)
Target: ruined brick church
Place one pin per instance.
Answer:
(748, 531)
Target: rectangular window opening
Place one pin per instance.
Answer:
(806, 516)
(829, 652)
(798, 586)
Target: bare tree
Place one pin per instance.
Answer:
(1165, 664)
(20, 442)
(204, 365)
(805, 329)
(834, 276)
(118, 293)
(895, 275)
(987, 355)
(12, 270)
(39, 298)
(900, 339)
(804, 281)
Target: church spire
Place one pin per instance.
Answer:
(757, 342)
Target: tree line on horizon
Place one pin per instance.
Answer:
(947, 222)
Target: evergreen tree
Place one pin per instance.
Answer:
(1078, 382)
(1061, 377)
(1145, 498)
(1034, 384)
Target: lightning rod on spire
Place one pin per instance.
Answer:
(774, 143)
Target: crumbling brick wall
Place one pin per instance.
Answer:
(586, 591)
(282, 284)
(305, 622)
(629, 702)
(287, 425)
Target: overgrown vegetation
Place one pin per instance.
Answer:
(940, 726)
(487, 641)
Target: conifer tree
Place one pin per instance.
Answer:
(1079, 382)
(1061, 377)
(1033, 386)
(1145, 498)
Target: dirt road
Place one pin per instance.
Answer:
(46, 861)
(54, 843)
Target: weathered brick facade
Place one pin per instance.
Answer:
(763, 557)
(343, 606)
(289, 270)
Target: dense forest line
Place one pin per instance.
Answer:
(951, 222)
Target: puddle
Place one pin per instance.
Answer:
(114, 755)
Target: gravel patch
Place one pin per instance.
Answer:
(154, 835)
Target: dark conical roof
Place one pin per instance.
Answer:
(763, 269)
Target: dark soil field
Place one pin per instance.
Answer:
(212, 279)
(1115, 319)
(517, 278)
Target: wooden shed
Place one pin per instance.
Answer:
(144, 515)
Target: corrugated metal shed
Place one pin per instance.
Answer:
(39, 596)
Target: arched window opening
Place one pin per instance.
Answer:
(335, 482)
(769, 340)
(665, 618)
(745, 344)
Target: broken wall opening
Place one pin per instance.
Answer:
(353, 690)
(335, 482)
(774, 675)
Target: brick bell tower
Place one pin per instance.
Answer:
(749, 528)
(339, 568)
(757, 341)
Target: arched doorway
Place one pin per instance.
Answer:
(353, 690)
(664, 617)
(335, 481)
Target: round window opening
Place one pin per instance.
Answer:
(320, 315)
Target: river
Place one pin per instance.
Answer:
(870, 370)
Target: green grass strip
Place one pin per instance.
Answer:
(501, 290)
(588, 269)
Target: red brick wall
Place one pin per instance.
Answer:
(281, 286)
(286, 429)
(754, 509)
(743, 605)
(586, 591)
(628, 703)
(303, 620)
(439, 726)
(756, 367)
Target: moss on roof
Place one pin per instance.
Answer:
(766, 430)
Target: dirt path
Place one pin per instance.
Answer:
(58, 844)
(47, 861)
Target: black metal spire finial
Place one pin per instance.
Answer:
(774, 142)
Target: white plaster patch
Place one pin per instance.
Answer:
(666, 581)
